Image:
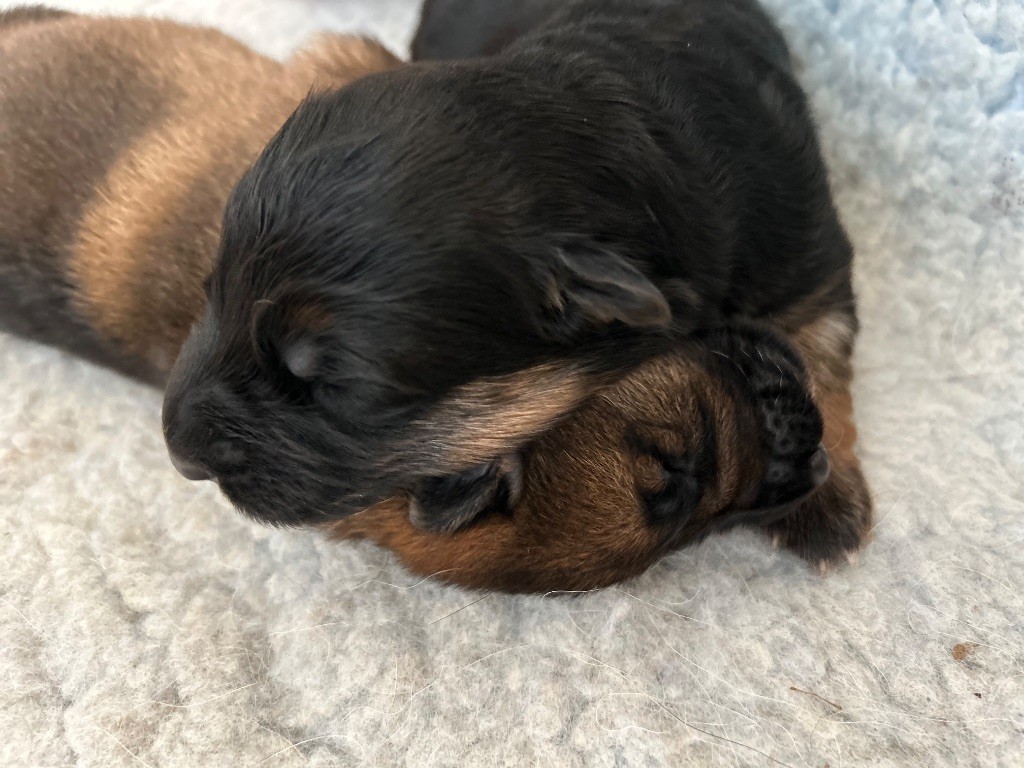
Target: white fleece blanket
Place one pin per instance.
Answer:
(143, 623)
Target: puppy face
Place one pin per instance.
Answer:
(390, 305)
(711, 435)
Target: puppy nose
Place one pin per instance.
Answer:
(184, 441)
(194, 438)
(189, 470)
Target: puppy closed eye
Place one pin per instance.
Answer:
(685, 474)
(289, 332)
(681, 494)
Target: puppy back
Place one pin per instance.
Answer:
(121, 141)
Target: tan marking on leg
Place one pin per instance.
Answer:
(826, 344)
(840, 429)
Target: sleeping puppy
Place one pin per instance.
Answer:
(716, 431)
(720, 431)
(822, 323)
(120, 140)
(428, 269)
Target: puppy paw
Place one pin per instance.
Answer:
(831, 526)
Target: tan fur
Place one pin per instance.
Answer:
(826, 344)
(489, 417)
(128, 135)
(581, 522)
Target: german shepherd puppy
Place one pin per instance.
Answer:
(117, 163)
(431, 267)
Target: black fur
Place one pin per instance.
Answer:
(463, 30)
(465, 219)
(448, 503)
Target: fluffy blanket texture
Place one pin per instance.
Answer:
(143, 623)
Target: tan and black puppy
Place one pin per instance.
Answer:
(426, 270)
(120, 140)
(720, 432)
(709, 436)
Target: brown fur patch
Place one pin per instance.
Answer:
(581, 523)
(826, 344)
(122, 139)
(490, 417)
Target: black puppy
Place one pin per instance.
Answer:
(426, 269)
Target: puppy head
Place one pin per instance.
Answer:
(390, 304)
(714, 434)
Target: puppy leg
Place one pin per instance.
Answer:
(835, 521)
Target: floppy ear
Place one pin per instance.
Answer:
(448, 504)
(593, 288)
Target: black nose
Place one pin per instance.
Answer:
(193, 432)
(184, 438)
(189, 470)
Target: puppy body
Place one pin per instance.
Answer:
(118, 191)
(120, 140)
(618, 174)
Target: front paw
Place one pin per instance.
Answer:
(831, 526)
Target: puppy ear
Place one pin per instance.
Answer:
(593, 288)
(448, 504)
